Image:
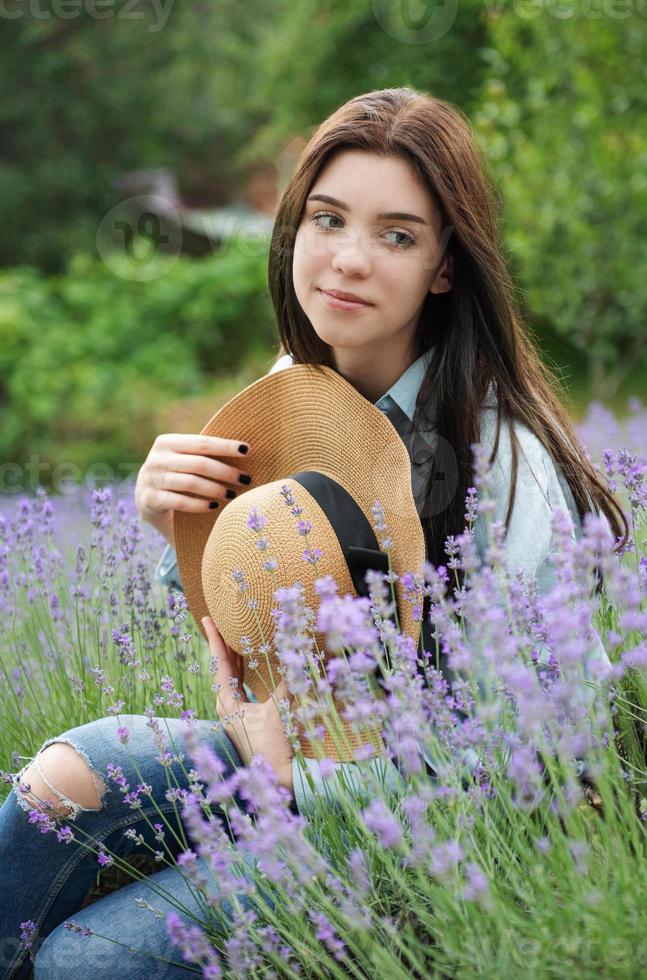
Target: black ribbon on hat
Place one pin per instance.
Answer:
(356, 537)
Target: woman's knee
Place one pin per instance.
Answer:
(115, 939)
(67, 955)
(61, 780)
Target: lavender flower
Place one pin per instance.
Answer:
(383, 824)
(327, 935)
(524, 699)
(72, 926)
(28, 931)
(193, 943)
(256, 520)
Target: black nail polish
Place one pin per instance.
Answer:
(243, 449)
(230, 494)
(244, 478)
(213, 504)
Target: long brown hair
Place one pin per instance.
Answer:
(476, 328)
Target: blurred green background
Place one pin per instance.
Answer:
(144, 147)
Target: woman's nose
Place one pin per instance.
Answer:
(351, 255)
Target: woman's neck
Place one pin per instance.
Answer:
(372, 378)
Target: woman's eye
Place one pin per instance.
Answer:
(408, 240)
(315, 218)
(323, 214)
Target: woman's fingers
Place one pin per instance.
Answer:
(229, 665)
(183, 442)
(281, 690)
(216, 642)
(179, 465)
(204, 466)
(260, 730)
(281, 693)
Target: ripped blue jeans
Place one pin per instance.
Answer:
(46, 882)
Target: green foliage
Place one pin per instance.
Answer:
(86, 358)
(138, 89)
(338, 49)
(215, 90)
(559, 124)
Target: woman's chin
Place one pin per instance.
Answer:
(344, 338)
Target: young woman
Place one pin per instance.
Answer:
(384, 265)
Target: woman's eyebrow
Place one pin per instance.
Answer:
(391, 215)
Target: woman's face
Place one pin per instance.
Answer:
(378, 235)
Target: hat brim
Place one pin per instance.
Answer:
(308, 417)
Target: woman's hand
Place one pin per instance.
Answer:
(180, 474)
(260, 731)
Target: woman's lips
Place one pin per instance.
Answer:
(341, 304)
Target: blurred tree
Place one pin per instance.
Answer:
(560, 121)
(87, 98)
(320, 53)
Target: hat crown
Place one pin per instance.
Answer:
(304, 423)
(258, 528)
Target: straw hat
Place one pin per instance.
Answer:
(317, 444)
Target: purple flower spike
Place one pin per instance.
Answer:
(287, 495)
(383, 824)
(28, 932)
(327, 935)
(312, 555)
(64, 835)
(256, 521)
(72, 926)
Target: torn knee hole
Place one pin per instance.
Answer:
(61, 782)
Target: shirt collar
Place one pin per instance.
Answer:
(404, 391)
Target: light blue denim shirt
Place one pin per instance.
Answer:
(529, 545)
